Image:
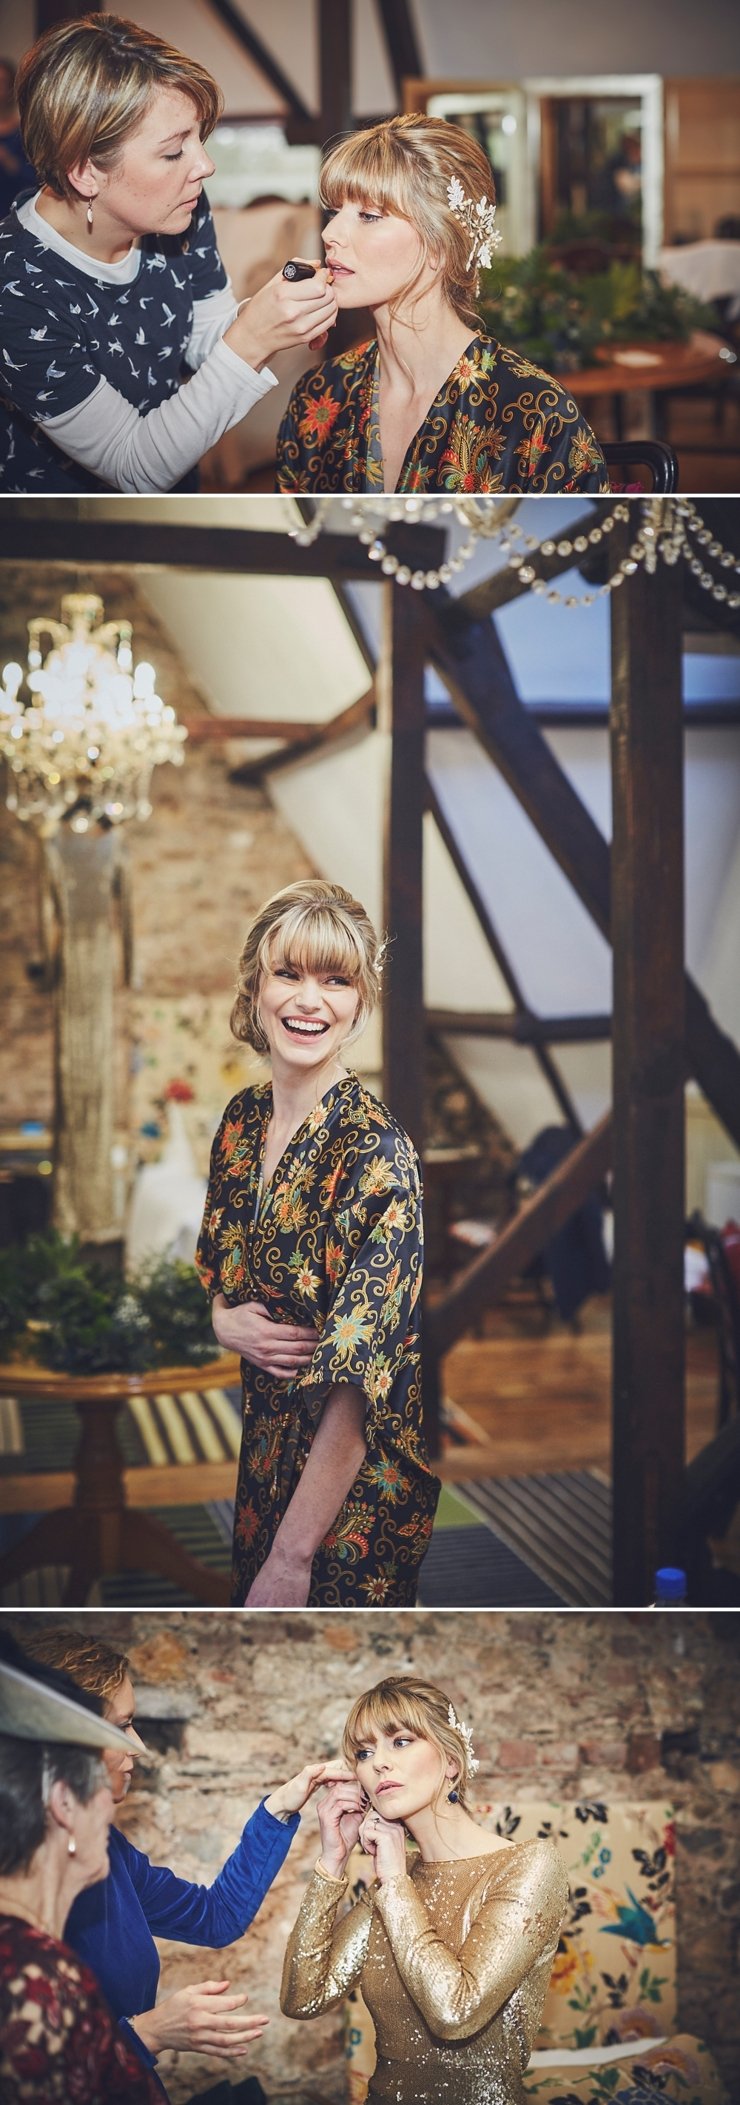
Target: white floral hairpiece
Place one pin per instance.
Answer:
(478, 221)
(466, 1735)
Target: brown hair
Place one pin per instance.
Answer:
(94, 1666)
(316, 927)
(422, 1708)
(405, 166)
(84, 87)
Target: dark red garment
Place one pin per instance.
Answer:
(58, 2041)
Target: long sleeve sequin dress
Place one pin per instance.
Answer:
(453, 1960)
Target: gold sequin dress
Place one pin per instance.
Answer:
(453, 1960)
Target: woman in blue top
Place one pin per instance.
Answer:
(112, 1925)
(124, 354)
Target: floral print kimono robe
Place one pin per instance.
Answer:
(498, 423)
(335, 1239)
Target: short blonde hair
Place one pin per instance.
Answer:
(84, 87)
(404, 166)
(420, 1707)
(316, 927)
(93, 1665)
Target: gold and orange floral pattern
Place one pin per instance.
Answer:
(336, 1241)
(498, 423)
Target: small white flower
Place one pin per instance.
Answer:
(455, 194)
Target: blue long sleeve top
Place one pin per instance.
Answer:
(112, 1925)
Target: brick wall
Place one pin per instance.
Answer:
(606, 1705)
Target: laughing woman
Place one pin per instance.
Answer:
(433, 402)
(311, 1249)
(125, 355)
(453, 1946)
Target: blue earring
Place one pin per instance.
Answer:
(453, 1797)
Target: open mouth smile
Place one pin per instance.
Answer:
(297, 1029)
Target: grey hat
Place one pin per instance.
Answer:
(32, 1710)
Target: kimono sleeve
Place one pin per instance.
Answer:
(571, 459)
(375, 1254)
(206, 1253)
(291, 462)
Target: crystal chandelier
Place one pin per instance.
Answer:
(83, 729)
(667, 529)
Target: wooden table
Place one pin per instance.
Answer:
(666, 366)
(99, 1532)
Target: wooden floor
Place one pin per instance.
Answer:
(538, 1403)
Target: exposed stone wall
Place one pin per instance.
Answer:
(609, 1705)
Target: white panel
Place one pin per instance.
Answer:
(712, 865)
(475, 41)
(563, 963)
(459, 970)
(587, 1072)
(261, 646)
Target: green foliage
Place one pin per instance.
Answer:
(76, 1317)
(562, 321)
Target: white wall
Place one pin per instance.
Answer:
(473, 40)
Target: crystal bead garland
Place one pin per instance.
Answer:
(663, 533)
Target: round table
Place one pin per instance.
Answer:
(653, 370)
(99, 1532)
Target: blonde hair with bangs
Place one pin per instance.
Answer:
(417, 1706)
(316, 927)
(85, 86)
(404, 166)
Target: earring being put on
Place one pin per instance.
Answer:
(89, 212)
(71, 1846)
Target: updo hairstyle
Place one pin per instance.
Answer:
(416, 1706)
(315, 927)
(404, 166)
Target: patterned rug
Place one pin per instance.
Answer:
(561, 1524)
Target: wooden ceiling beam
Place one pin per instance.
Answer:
(402, 43)
(522, 1028)
(360, 715)
(89, 543)
(264, 60)
(473, 666)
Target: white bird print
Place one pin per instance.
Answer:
(37, 335)
(19, 368)
(54, 372)
(146, 300)
(165, 354)
(46, 394)
(134, 369)
(92, 309)
(75, 310)
(140, 336)
(115, 346)
(14, 288)
(151, 378)
(114, 321)
(32, 269)
(179, 282)
(169, 314)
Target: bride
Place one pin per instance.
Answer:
(452, 1945)
(432, 403)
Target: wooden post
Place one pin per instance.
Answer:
(649, 1069)
(400, 687)
(335, 66)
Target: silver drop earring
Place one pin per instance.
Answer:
(71, 1846)
(89, 213)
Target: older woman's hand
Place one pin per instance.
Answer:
(341, 1813)
(203, 2018)
(291, 1797)
(280, 1349)
(385, 1842)
(285, 313)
